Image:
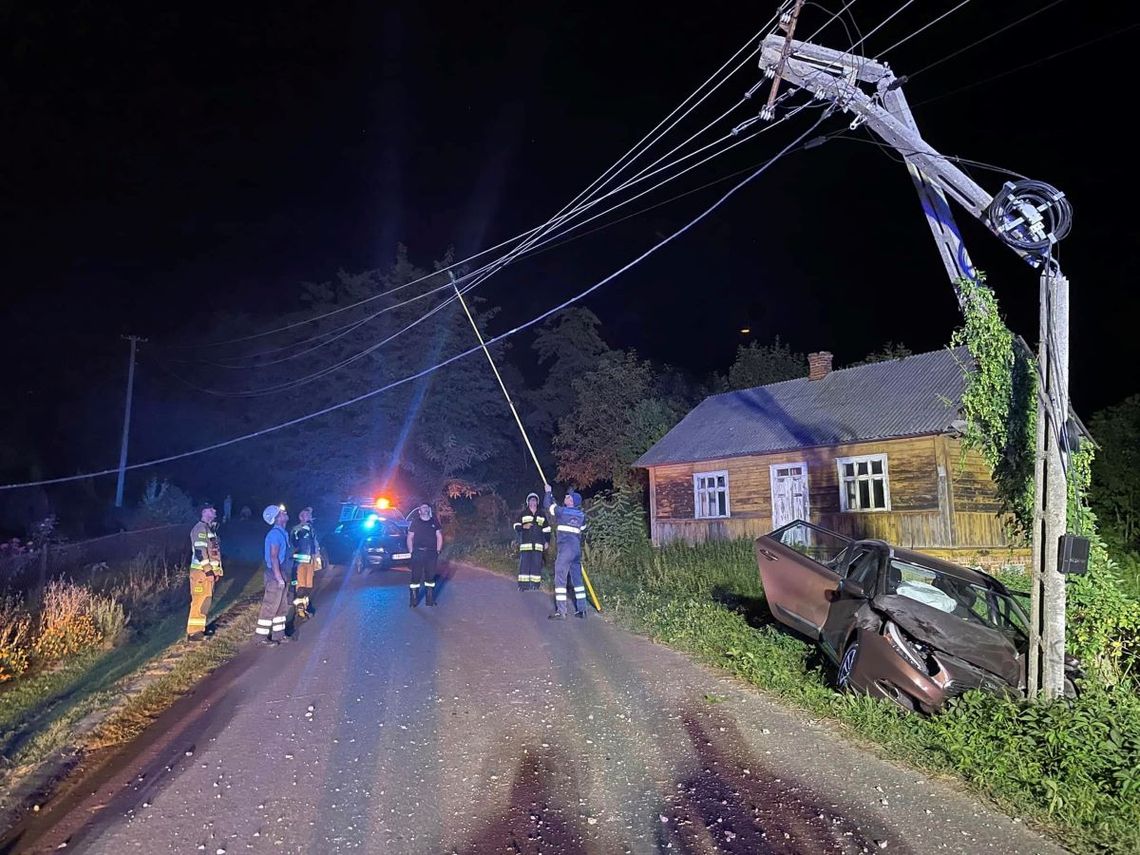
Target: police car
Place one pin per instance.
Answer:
(371, 533)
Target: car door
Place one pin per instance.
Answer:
(863, 566)
(798, 588)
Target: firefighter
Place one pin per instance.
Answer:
(205, 568)
(569, 523)
(425, 540)
(278, 567)
(533, 535)
(307, 560)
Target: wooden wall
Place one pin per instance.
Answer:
(942, 498)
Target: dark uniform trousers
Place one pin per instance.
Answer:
(424, 563)
(274, 608)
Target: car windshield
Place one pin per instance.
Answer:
(818, 544)
(965, 600)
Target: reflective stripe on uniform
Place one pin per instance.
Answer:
(560, 594)
(579, 593)
(527, 518)
(573, 529)
(196, 621)
(536, 579)
(430, 584)
(304, 559)
(414, 585)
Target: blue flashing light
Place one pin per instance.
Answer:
(370, 521)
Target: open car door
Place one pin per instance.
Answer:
(796, 569)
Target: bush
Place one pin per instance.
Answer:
(163, 502)
(72, 619)
(617, 520)
(15, 639)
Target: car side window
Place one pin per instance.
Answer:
(863, 568)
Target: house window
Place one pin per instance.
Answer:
(863, 483)
(710, 492)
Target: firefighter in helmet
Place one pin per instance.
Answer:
(306, 560)
(205, 568)
(569, 523)
(533, 534)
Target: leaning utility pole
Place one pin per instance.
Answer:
(1029, 217)
(134, 340)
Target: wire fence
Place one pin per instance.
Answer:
(29, 570)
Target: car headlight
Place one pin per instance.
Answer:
(903, 647)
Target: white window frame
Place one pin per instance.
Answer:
(840, 462)
(698, 490)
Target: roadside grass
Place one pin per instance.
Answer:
(40, 711)
(1071, 767)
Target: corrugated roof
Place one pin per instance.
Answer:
(913, 396)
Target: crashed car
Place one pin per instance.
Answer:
(897, 624)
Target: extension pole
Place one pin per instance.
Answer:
(515, 413)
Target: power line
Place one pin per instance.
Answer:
(795, 144)
(1030, 64)
(923, 29)
(550, 237)
(984, 39)
(526, 234)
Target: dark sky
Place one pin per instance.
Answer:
(157, 162)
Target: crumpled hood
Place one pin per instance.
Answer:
(979, 645)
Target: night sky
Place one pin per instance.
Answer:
(161, 164)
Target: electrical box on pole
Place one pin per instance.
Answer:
(1027, 216)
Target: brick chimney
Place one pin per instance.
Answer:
(819, 365)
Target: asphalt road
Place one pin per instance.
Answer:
(479, 726)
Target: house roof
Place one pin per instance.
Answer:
(912, 396)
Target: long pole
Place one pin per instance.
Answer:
(134, 340)
(515, 413)
(1056, 489)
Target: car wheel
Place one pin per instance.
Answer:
(847, 665)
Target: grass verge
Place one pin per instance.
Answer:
(1071, 767)
(104, 697)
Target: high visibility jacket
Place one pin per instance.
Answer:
(305, 546)
(569, 523)
(205, 549)
(537, 536)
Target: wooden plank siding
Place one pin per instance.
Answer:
(942, 498)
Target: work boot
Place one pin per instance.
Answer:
(196, 636)
(580, 614)
(269, 642)
(431, 595)
(414, 597)
(556, 616)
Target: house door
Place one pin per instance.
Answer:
(789, 493)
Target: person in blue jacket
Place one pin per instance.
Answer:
(569, 523)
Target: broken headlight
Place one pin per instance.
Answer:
(912, 652)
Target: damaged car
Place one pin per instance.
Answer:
(897, 624)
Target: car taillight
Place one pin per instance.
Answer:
(903, 647)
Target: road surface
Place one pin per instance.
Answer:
(479, 726)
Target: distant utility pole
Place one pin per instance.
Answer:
(134, 340)
(1029, 217)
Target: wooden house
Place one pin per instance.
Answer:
(872, 451)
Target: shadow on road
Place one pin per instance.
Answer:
(720, 807)
(543, 813)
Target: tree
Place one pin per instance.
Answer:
(618, 413)
(1115, 493)
(568, 346)
(760, 364)
(886, 353)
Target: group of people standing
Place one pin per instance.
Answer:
(532, 533)
(291, 558)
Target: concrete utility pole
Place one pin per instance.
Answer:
(1029, 217)
(134, 340)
